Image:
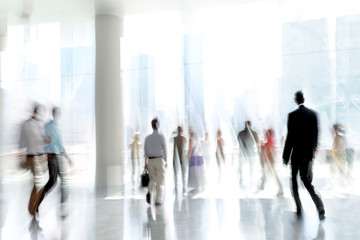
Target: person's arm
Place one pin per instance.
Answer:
(163, 143)
(257, 141)
(190, 149)
(70, 162)
(47, 134)
(174, 148)
(138, 149)
(184, 143)
(288, 142)
(145, 154)
(316, 133)
(22, 140)
(59, 142)
(220, 142)
(64, 153)
(146, 163)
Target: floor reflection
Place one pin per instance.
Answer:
(221, 212)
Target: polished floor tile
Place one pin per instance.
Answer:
(223, 211)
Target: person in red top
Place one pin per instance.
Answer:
(268, 160)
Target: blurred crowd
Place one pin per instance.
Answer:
(254, 152)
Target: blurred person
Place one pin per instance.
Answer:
(134, 147)
(196, 163)
(300, 147)
(56, 155)
(268, 156)
(338, 151)
(206, 149)
(179, 158)
(220, 155)
(340, 161)
(33, 140)
(248, 148)
(155, 162)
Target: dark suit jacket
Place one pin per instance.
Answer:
(302, 137)
(248, 141)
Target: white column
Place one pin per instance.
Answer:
(3, 26)
(108, 103)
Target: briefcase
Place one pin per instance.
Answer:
(145, 178)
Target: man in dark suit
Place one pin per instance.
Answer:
(300, 146)
(249, 148)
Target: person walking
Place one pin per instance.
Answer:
(300, 146)
(56, 155)
(206, 149)
(267, 157)
(33, 140)
(219, 153)
(249, 150)
(134, 147)
(155, 162)
(179, 158)
(196, 163)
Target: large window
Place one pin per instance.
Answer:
(51, 64)
(217, 67)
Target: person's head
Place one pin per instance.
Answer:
(155, 124)
(218, 133)
(192, 132)
(136, 136)
(269, 133)
(299, 97)
(248, 124)
(338, 129)
(56, 113)
(179, 130)
(36, 108)
(37, 111)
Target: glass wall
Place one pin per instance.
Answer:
(50, 64)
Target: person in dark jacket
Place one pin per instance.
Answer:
(300, 146)
(249, 149)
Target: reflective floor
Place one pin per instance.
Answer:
(221, 212)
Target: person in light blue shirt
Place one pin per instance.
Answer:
(52, 129)
(55, 152)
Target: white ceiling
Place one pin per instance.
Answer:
(34, 11)
(24, 11)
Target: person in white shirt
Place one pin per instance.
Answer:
(206, 149)
(155, 162)
(32, 141)
(134, 147)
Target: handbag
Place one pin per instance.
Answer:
(145, 178)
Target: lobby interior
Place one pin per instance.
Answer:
(113, 65)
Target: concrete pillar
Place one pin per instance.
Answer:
(3, 30)
(108, 105)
